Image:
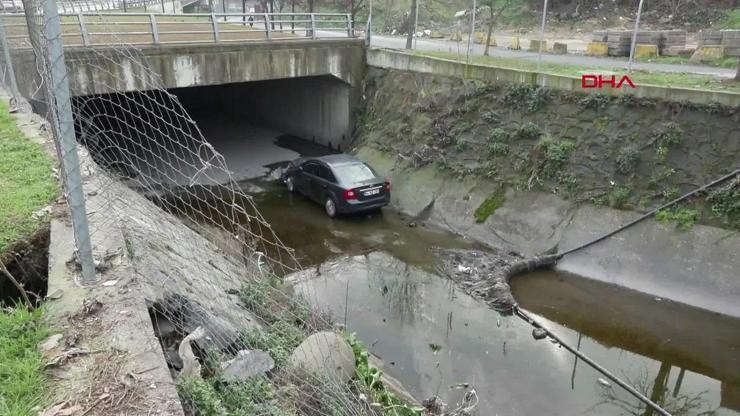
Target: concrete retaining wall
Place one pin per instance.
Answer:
(388, 59)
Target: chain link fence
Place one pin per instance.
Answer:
(137, 169)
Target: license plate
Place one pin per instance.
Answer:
(371, 192)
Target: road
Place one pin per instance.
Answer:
(442, 45)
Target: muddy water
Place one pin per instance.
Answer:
(380, 276)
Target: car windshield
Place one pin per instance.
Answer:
(356, 172)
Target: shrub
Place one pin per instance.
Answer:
(528, 130)
(628, 159)
(668, 136)
(556, 153)
(491, 117)
(527, 96)
(200, 398)
(595, 101)
(619, 196)
(498, 148)
(685, 218)
(725, 203)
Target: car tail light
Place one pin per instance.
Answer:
(349, 194)
(387, 186)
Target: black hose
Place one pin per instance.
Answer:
(593, 364)
(650, 213)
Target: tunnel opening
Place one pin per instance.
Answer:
(256, 127)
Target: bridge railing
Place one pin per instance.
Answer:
(99, 29)
(75, 6)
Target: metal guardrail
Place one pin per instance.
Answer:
(75, 6)
(99, 29)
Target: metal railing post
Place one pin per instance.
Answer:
(83, 30)
(268, 32)
(63, 124)
(9, 66)
(350, 32)
(124, 6)
(313, 26)
(163, 10)
(214, 22)
(155, 29)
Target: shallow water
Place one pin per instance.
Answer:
(383, 273)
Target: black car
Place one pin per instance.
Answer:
(341, 183)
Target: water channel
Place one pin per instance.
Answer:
(380, 276)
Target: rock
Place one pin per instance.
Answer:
(326, 353)
(50, 343)
(539, 333)
(247, 364)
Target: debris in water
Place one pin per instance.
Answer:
(435, 347)
(463, 269)
(498, 322)
(539, 333)
(604, 382)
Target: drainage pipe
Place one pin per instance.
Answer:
(592, 363)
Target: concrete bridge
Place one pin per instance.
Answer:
(303, 86)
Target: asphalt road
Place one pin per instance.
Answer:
(398, 42)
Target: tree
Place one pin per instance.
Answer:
(412, 29)
(495, 13)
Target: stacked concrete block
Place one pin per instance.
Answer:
(619, 42)
(534, 45)
(560, 48)
(709, 38)
(672, 41)
(731, 42)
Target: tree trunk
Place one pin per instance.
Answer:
(490, 33)
(310, 6)
(412, 29)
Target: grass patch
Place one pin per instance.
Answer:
(731, 20)
(489, 206)
(726, 62)
(26, 184)
(22, 380)
(665, 79)
(725, 203)
(684, 218)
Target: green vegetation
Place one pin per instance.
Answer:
(667, 79)
(491, 117)
(529, 131)
(26, 182)
(667, 137)
(725, 203)
(628, 159)
(684, 218)
(726, 62)
(370, 377)
(489, 206)
(21, 363)
(595, 101)
(526, 96)
(556, 154)
(731, 20)
(619, 196)
(498, 148)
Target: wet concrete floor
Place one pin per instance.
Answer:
(380, 276)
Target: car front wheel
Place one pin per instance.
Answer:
(330, 207)
(289, 183)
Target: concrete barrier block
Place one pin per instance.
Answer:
(646, 51)
(515, 43)
(534, 45)
(560, 48)
(456, 37)
(436, 35)
(597, 49)
(708, 53)
(480, 38)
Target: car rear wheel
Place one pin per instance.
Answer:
(289, 183)
(330, 207)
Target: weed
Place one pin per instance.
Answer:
(685, 218)
(529, 131)
(556, 153)
(527, 96)
(671, 193)
(25, 180)
(500, 135)
(628, 100)
(279, 340)
(23, 381)
(489, 206)
(628, 159)
(619, 196)
(595, 101)
(370, 377)
(463, 126)
(491, 117)
(601, 199)
(498, 148)
(129, 246)
(725, 203)
(199, 397)
(460, 144)
(668, 136)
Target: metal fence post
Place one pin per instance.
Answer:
(63, 124)
(313, 26)
(83, 30)
(350, 30)
(155, 30)
(214, 22)
(633, 43)
(268, 32)
(542, 35)
(9, 66)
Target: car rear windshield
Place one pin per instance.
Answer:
(356, 172)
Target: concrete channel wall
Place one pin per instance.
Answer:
(389, 59)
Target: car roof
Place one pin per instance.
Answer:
(338, 159)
